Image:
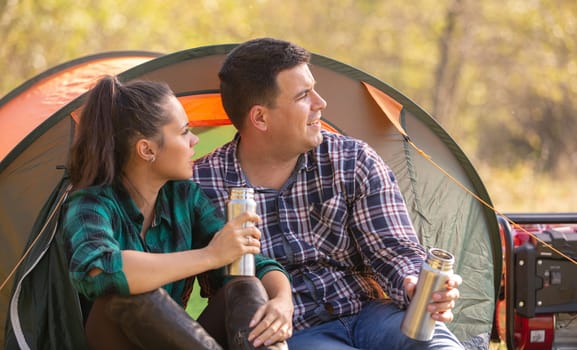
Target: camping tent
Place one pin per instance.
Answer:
(359, 105)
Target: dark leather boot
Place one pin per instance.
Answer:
(154, 320)
(212, 318)
(243, 296)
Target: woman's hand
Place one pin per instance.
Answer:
(272, 322)
(441, 308)
(238, 237)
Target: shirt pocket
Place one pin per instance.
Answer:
(328, 222)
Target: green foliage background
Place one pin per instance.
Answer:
(498, 75)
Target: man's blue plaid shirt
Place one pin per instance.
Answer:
(339, 225)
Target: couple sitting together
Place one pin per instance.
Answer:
(336, 255)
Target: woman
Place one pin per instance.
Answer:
(138, 230)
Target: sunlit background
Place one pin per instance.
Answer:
(499, 76)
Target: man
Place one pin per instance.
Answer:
(331, 210)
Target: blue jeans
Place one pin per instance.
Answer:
(377, 326)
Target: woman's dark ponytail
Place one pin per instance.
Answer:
(113, 115)
(92, 154)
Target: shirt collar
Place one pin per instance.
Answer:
(234, 175)
(161, 209)
(127, 202)
(308, 161)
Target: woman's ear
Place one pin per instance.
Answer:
(258, 117)
(145, 150)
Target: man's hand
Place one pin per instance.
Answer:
(441, 308)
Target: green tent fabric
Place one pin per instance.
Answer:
(359, 105)
(46, 307)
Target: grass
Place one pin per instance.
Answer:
(196, 303)
(497, 346)
(520, 189)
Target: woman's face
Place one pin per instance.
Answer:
(174, 158)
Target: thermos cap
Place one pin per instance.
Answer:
(440, 259)
(241, 193)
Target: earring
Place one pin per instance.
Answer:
(151, 159)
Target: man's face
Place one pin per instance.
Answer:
(295, 119)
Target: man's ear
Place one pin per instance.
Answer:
(145, 149)
(257, 116)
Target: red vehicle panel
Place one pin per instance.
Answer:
(537, 306)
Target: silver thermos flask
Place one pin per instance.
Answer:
(436, 270)
(241, 200)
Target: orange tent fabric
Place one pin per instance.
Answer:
(23, 113)
(391, 108)
(204, 110)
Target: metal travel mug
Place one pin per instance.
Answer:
(241, 200)
(436, 270)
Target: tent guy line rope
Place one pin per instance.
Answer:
(407, 139)
(27, 252)
(510, 221)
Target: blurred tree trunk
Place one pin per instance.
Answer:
(450, 62)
